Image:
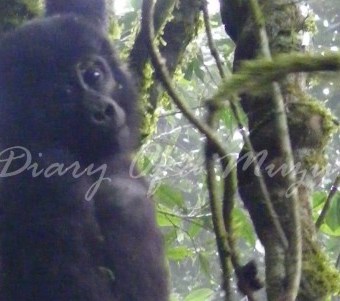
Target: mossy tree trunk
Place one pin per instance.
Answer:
(309, 129)
(176, 25)
(14, 12)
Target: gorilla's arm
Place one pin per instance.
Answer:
(133, 242)
(50, 240)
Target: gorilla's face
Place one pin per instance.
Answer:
(60, 88)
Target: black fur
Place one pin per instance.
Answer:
(65, 101)
(93, 11)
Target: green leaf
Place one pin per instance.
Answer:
(195, 229)
(169, 197)
(333, 216)
(319, 198)
(327, 230)
(167, 220)
(189, 71)
(202, 294)
(242, 226)
(173, 297)
(229, 120)
(128, 19)
(136, 4)
(179, 253)
(204, 263)
(199, 72)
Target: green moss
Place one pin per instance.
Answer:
(310, 114)
(33, 6)
(14, 13)
(256, 75)
(311, 126)
(147, 111)
(319, 275)
(309, 24)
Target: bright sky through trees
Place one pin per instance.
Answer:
(124, 5)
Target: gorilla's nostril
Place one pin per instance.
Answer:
(105, 114)
(99, 116)
(109, 111)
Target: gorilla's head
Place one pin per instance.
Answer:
(62, 86)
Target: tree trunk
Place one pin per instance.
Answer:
(309, 129)
(14, 13)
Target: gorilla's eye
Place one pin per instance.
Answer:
(93, 76)
(93, 72)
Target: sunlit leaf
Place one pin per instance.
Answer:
(319, 198)
(169, 197)
(243, 227)
(327, 230)
(165, 219)
(202, 294)
(179, 253)
(195, 229)
(204, 263)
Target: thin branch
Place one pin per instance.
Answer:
(221, 217)
(217, 218)
(214, 144)
(229, 192)
(259, 178)
(222, 235)
(187, 218)
(328, 202)
(229, 187)
(211, 43)
(256, 75)
(163, 76)
(294, 254)
(139, 55)
(233, 104)
(172, 113)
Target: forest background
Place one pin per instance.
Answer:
(228, 226)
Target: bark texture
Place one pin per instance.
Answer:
(310, 126)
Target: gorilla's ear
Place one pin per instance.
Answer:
(92, 10)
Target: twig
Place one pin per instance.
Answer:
(230, 180)
(163, 76)
(211, 44)
(189, 219)
(215, 146)
(221, 217)
(219, 228)
(235, 111)
(328, 202)
(233, 104)
(222, 235)
(259, 178)
(256, 75)
(139, 55)
(294, 254)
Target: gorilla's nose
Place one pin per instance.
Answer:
(108, 114)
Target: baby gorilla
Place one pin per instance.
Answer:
(75, 224)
